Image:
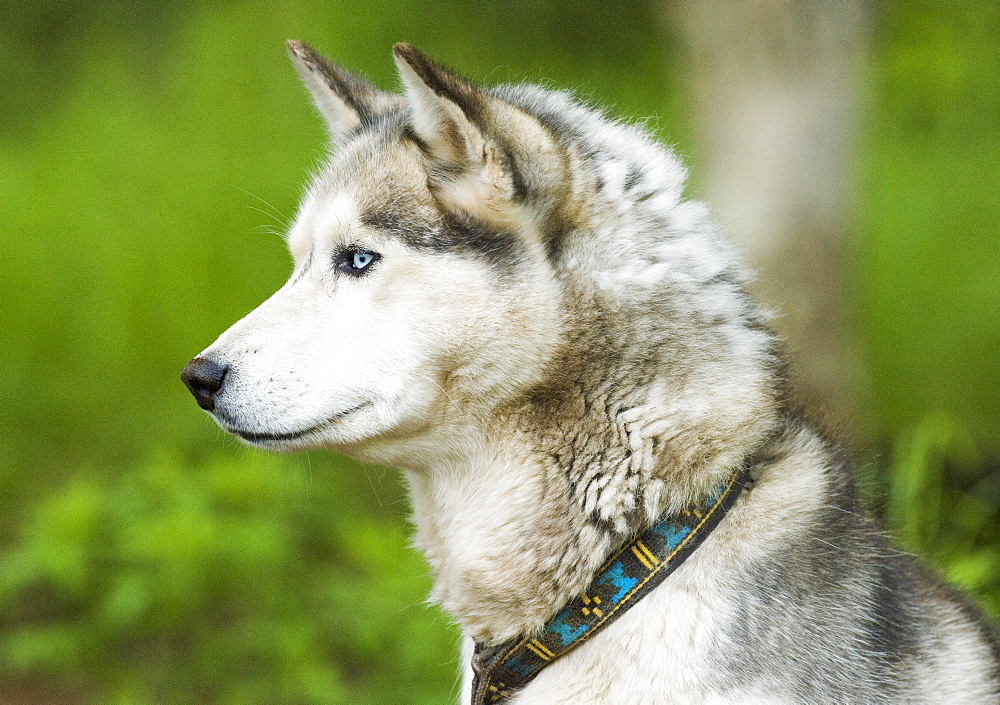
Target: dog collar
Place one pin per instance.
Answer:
(630, 574)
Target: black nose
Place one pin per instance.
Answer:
(204, 378)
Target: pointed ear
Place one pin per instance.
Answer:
(448, 111)
(344, 100)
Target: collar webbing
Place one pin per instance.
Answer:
(631, 573)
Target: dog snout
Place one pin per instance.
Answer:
(204, 378)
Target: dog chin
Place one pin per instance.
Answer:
(295, 445)
(323, 434)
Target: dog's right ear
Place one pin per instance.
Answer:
(345, 101)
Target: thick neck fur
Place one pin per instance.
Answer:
(504, 538)
(665, 380)
(530, 501)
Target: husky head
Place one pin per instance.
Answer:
(420, 289)
(470, 256)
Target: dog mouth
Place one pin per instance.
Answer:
(293, 435)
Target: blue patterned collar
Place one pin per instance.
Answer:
(642, 564)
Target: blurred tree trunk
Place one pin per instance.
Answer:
(774, 86)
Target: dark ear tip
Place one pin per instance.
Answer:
(406, 52)
(302, 51)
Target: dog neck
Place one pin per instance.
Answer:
(517, 509)
(515, 522)
(504, 537)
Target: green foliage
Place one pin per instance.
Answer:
(236, 580)
(146, 149)
(941, 505)
(927, 282)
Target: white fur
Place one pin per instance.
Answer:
(441, 362)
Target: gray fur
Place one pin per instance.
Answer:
(616, 371)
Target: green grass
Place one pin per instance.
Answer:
(254, 579)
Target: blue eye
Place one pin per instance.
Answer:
(355, 261)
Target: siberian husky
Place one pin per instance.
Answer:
(505, 293)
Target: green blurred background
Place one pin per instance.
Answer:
(148, 153)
